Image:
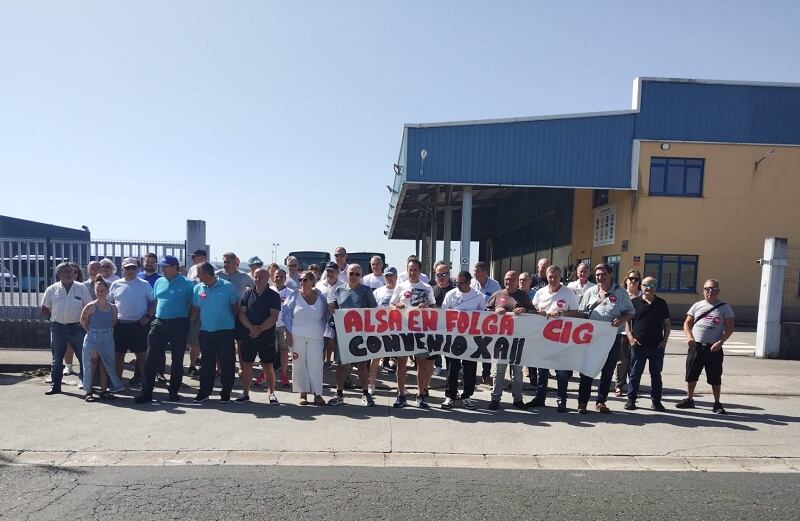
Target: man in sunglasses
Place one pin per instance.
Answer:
(137, 307)
(444, 284)
(293, 276)
(606, 302)
(352, 295)
(647, 334)
(340, 257)
(709, 323)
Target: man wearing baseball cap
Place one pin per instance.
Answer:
(173, 296)
(606, 302)
(134, 300)
(193, 340)
(254, 263)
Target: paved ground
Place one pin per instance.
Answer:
(223, 493)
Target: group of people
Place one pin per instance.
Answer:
(276, 313)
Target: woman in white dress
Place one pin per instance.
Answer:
(305, 316)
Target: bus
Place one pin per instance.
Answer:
(307, 258)
(34, 272)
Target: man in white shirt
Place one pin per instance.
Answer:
(403, 277)
(554, 300)
(375, 279)
(62, 304)
(413, 293)
(488, 286)
(136, 307)
(583, 283)
(340, 257)
(328, 285)
(464, 298)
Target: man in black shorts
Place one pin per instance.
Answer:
(258, 313)
(709, 323)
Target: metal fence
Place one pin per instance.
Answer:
(28, 265)
(790, 311)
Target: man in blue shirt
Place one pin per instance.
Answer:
(149, 274)
(173, 295)
(216, 302)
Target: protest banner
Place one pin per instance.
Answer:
(528, 340)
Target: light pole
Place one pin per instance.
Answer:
(275, 251)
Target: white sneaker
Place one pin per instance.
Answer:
(67, 370)
(80, 384)
(448, 403)
(371, 390)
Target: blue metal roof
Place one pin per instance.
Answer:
(567, 152)
(685, 110)
(595, 150)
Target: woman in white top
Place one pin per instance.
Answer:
(633, 283)
(305, 316)
(108, 271)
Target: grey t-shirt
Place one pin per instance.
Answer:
(241, 281)
(616, 304)
(710, 328)
(359, 297)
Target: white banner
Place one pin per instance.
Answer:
(528, 340)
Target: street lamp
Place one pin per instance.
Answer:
(275, 251)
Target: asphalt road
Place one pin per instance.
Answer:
(353, 493)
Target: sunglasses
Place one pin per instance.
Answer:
(444, 275)
(649, 286)
(340, 255)
(354, 274)
(634, 279)
(711, 289)
(129, 267)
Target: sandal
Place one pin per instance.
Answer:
(319, 400)
(303, 400)
(107, 395)
(160, 378)
(90, 398)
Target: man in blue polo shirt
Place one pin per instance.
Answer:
(173, 294)
(216, 302)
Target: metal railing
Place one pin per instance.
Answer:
(28, 265)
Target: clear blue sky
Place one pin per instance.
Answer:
(279, 122)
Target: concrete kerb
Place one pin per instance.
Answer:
(399, 459)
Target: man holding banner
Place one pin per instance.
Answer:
(606, 302)
(413, 293)
(464, 298)
(554, 300)
(352, 295)
(509, 300)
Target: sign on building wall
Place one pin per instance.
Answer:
(605, 225)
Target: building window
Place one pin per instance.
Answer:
(599, 198)
(613, 261)
(674, 273)
(676, 176)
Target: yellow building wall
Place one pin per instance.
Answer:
(726, 228)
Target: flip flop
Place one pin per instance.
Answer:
(106, 395)
(90, 398)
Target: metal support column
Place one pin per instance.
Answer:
(448, 224)
(466, 227)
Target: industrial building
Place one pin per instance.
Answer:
(684, 186)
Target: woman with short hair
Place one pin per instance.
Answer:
(305, 316)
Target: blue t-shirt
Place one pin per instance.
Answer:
(149, 278)
(215, 305)
(173, 297)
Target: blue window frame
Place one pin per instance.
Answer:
(676, 176)
(674, 273)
